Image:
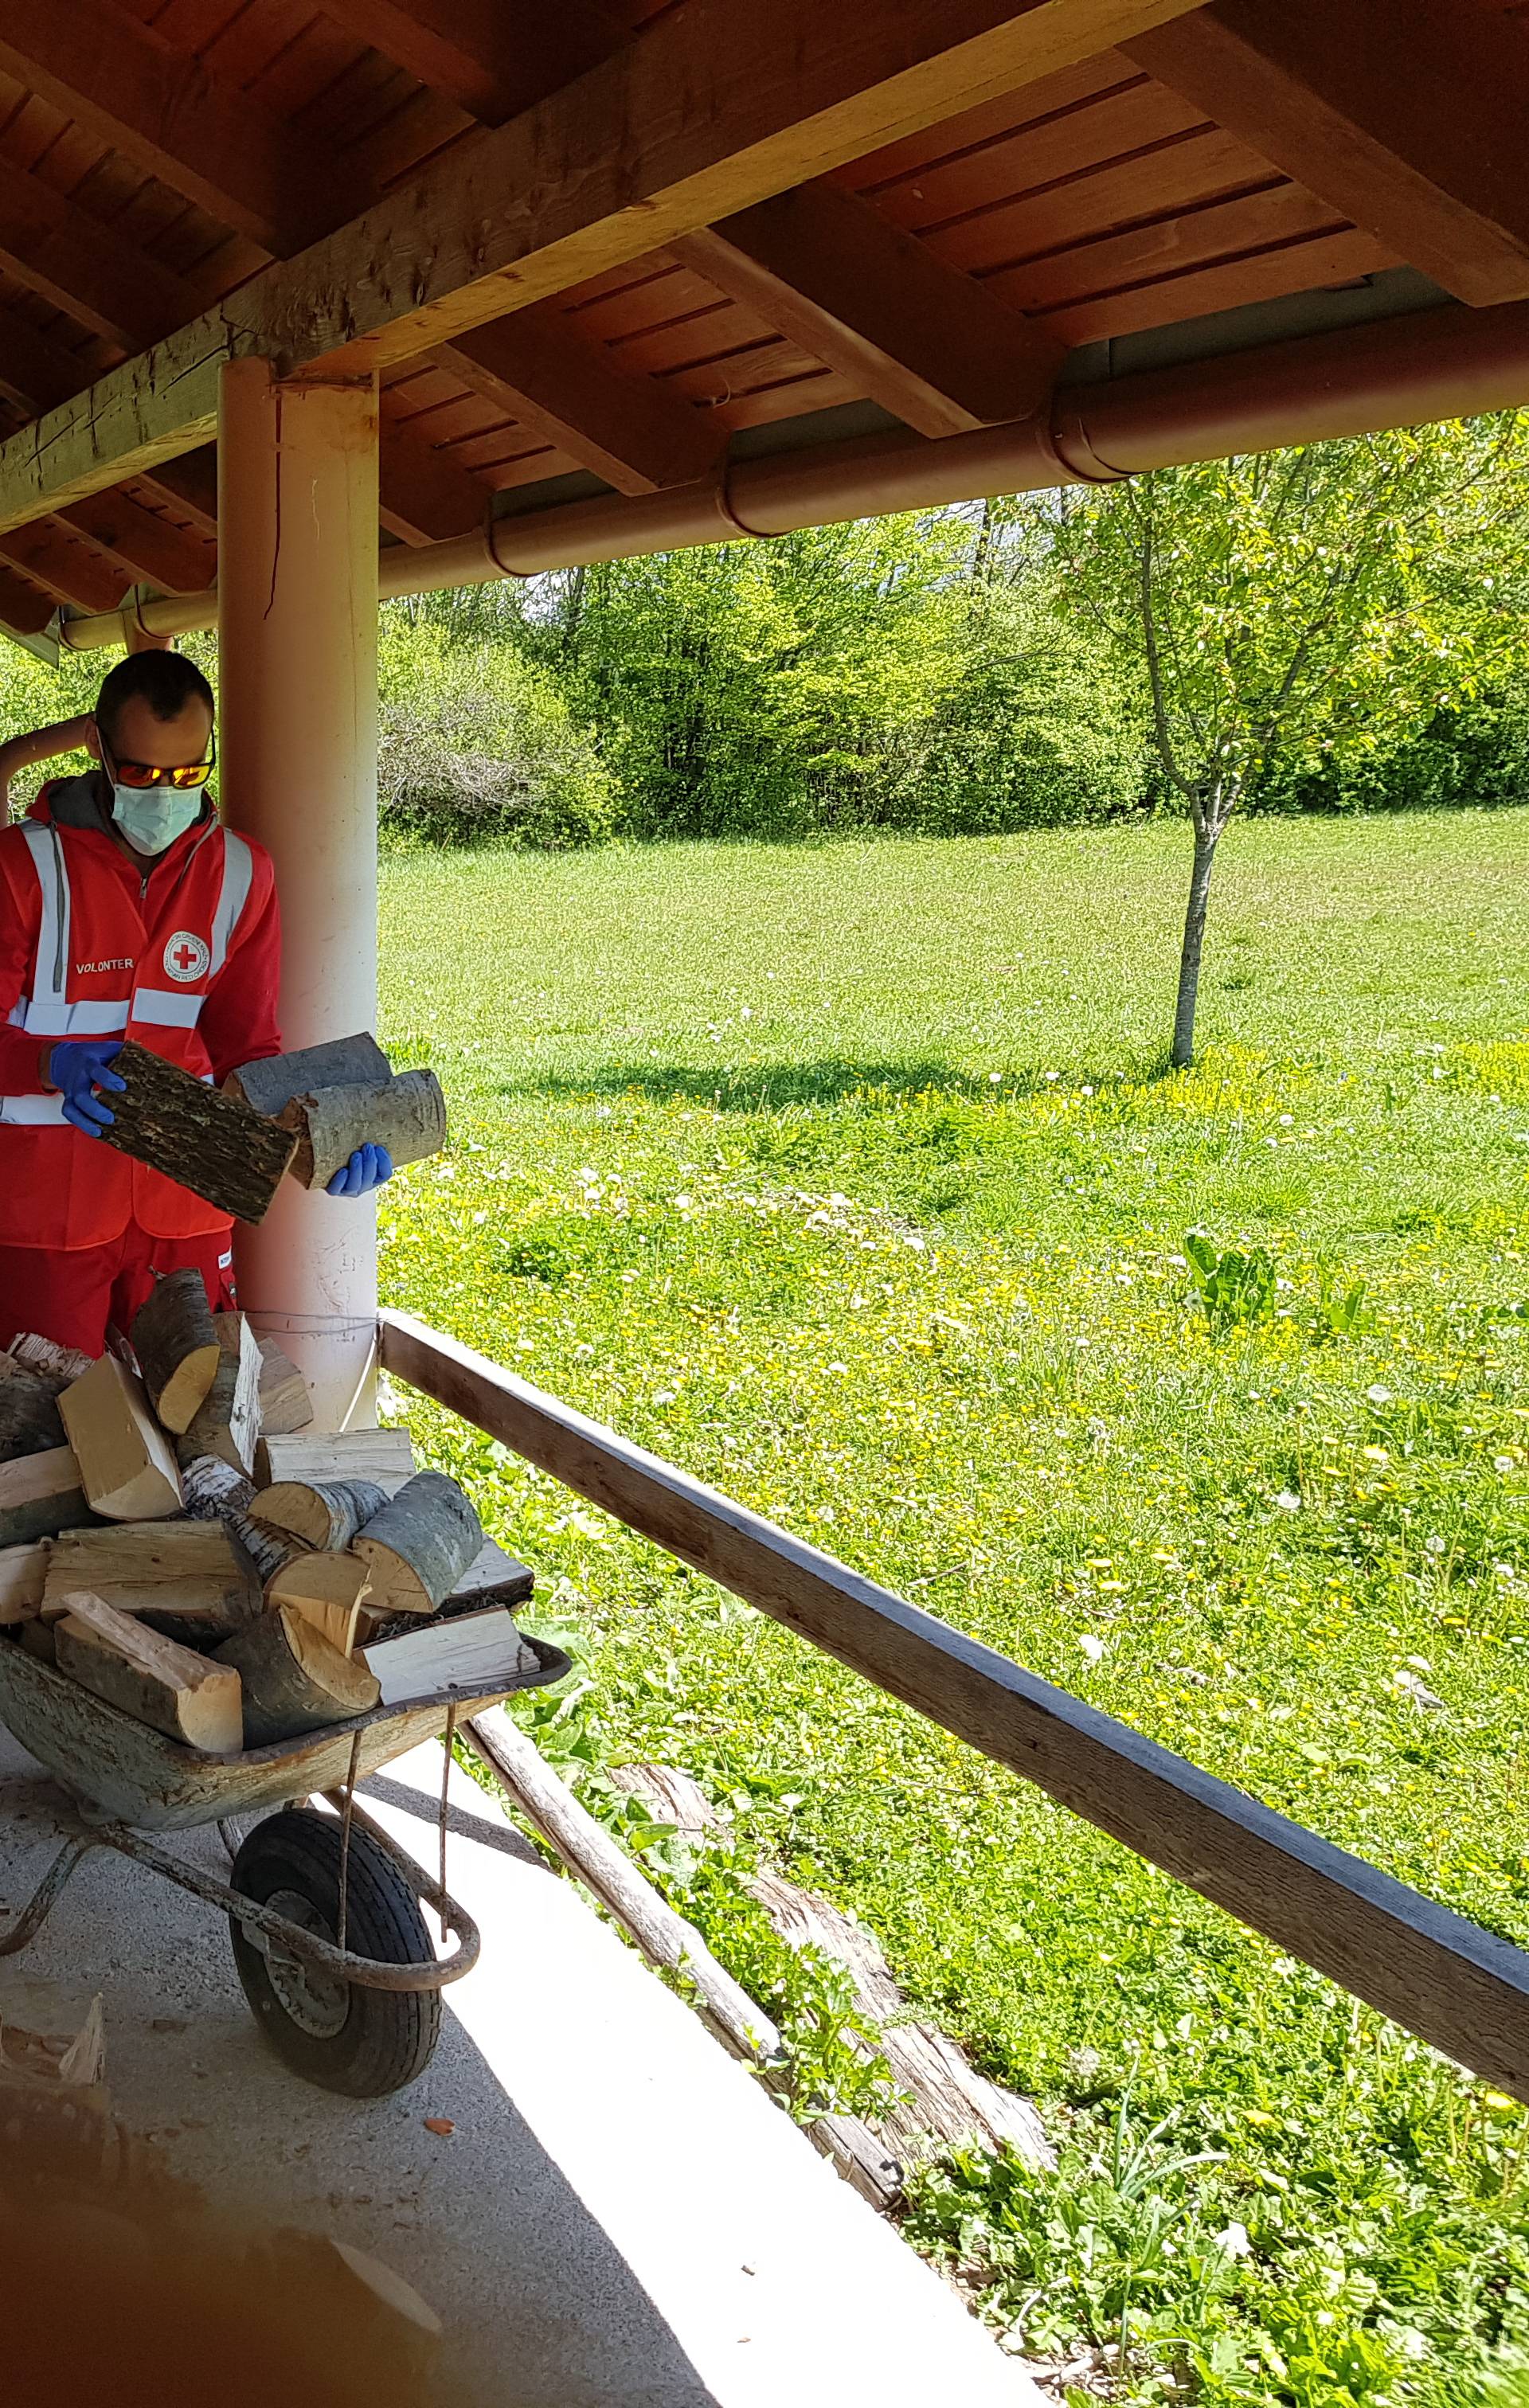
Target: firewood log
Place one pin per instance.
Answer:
(284, 1401)
(326, 1589)
(344, 1062)
(125, 1460)
(204, 1139)
(41, 1493)
(29, 1414)
(59, 1364)
(323, 1512)
(23, 1572)
(406, 1114)
(295, 1679)
(191, 1580)
(418, 1548)
(176, 1347)
(228, 1422)
(153, 1678)
(385, 1455)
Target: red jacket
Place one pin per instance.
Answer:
(184, 956)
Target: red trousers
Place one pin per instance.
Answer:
(76, 1296)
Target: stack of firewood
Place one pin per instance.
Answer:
(170, 1538)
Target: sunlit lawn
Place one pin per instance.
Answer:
(847, 1177)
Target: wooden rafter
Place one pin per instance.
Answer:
(150, 549)
(189, 485)
(73, 572)
(84, 266)
(36, 372)
(163, 109)
(25, 609)
(1408, 115)
(423, 495)
(490, 60)
(775, 91)
(627, 428)
(823, 267)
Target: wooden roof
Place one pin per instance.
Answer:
(609, 245)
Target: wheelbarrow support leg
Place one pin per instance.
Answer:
(52, 1888)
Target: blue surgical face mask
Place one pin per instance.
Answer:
(151, 817)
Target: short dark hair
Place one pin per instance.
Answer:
(167, 681)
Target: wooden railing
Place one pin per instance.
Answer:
(1463, 1989)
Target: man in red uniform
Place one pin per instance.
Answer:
(126, 909)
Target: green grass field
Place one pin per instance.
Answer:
(849, 1177)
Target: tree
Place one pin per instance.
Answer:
(1280, 604)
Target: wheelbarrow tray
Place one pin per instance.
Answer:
(125, 1772)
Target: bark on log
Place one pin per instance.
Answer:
(294, 1680)
(40, 1495)
(176, 1347)
(23, 1572)
(326, 1589)
(493, 1578)
(406, 1114)
(208, 1141)
(59, 1364)
(344, 1062)
(418, 1547)
(579, 1842)
(321, 1513)
(150, 1677)
(29, 1414)
(125, 1460)
(190, 1580)
(217, 1491)
(284, 1400)
(385, 1455)
(228, 1422)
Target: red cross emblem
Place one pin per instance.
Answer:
(186, 957)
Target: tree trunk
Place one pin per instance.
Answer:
(1205, 841)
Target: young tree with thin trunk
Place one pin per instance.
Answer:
(1280, 604)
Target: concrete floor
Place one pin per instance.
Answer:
(619, 2219)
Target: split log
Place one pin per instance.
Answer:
(217, 1491)
(406, 1114)
(589, 1852)
(295, 1679)
(228, 1422)
(40, 1495)
(190, 1580)
(59, 1364)
(208, 1141)
(29, 1414)
(493, 1578)
(478, 1655)
(385, 1455)
(344, 1062)
(149, 1677)
(284, 1400)
(125, 1460)
(327, 1590)
(418, 1548)
(51, 2034)
(176, 1347)
(23, 1571)
(322, 1513)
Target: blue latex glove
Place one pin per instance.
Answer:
(81, 1069)
(367, 1167)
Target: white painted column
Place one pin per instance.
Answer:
(297, 752)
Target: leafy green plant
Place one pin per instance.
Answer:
(1340, 1310)
(1233, 1285)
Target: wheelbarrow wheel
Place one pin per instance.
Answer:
(362, 2042)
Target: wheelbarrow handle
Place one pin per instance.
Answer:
(364, 1971)
(47, 1893)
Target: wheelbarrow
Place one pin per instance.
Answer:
(324, 1911)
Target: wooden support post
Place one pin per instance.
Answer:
(297, 647)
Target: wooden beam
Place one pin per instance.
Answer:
(774, 90)
(1408, 115)
(24, 608)
(191, 484)
(824, 267)
(152, 552)
(490, 60)
(424, 496)
(72, 571)
(628, 429)
(84, 266)
(1463, 1989)
(164, 111)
